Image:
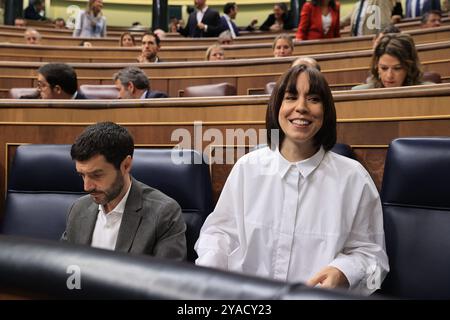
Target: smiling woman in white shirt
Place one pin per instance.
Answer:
(298, 212)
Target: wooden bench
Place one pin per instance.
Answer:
(249, 76)
(367, 120)
(194, 51)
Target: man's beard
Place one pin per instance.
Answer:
(150, 55)
(112, 193)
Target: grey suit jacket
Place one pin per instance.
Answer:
(151, 224)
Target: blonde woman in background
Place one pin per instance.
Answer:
(91, 23)
(214, 53)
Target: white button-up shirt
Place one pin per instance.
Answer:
(107, 225)
(413, 7)
(287, 221)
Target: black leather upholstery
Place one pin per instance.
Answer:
(344, 150)
(189, 184)
(40, 268)
(416, 206)
(43, 184)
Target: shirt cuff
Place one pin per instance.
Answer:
(353, 274)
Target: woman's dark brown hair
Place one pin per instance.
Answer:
(326, 136)
(402, 47)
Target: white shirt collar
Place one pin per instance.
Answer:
(144, 94)
(305, 167)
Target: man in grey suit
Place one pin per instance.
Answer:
(120, 213)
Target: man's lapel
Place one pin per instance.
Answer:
(87, 224)
(131, 218)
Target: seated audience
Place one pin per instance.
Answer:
(150, 48)
(58, 81)
(120, 213)
(230, 11)
(136, 26)
(431, 19)
(389, 29)
(203, 22)
(32, 36)
(251, 26)
(416, 8)
(319, 19)
(283, 46)
(35, 10)
(20, 22)
(397, 12)
(60, 23)
(362, 18)
(271, 219)
(225, 38)
(133, 83)
(279, 20)
(85, 44)
(395, 63)
(214, 53)
(127, 40)
(307, 61)
(173, 23)
(91, 23)
(160, 33)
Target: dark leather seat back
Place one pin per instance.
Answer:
(210, 90)
(416, 206)
(269, 87)
(99, 91)
(344, 150)
(24, 93)
(432, 77)
(188, 183)
(43, 184)
(44, 269)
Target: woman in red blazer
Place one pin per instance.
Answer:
(315, 16)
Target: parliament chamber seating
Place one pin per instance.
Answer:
(24, 93)
(432, 77)
(99, 91)
(269, 87)
(43, 269)
(43, 184)
(210, 90)
(416, 208)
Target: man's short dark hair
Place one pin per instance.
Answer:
(108, 139)
(133, 75)
(427, 14)
(228, 7)
(153, 35)
(60, 74)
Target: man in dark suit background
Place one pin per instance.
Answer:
(230, 11)
(120, 213)
(203, 22)
(34, 8)
(58, 81)
(416, 8)
(133, 83)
